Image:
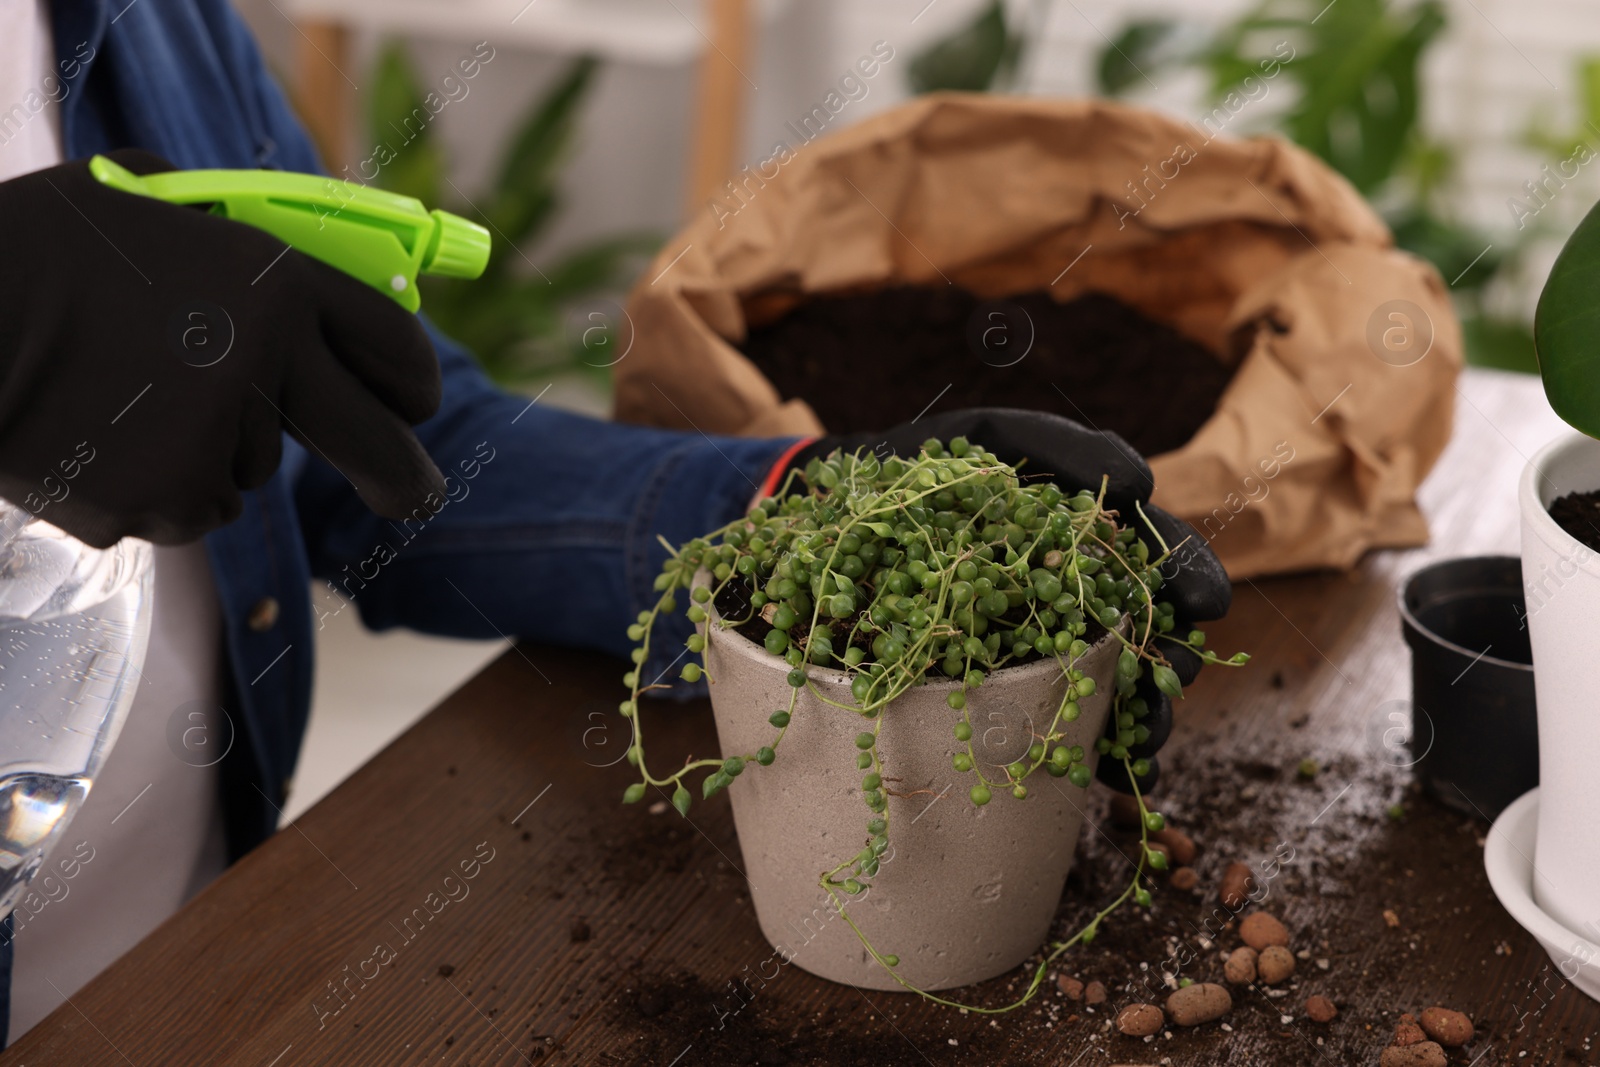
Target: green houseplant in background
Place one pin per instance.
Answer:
(1355, 74)
(1353, 99)
(1355, 94)
(1568, 314)
(1566, 323)
(513, 317)
(979, 57)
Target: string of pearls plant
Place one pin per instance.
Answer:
(891, 570)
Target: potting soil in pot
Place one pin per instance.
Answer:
(871, 360)
(1579, 515)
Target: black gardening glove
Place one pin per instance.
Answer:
(1075, 457)
(151, 357)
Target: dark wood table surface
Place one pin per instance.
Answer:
(590, 933)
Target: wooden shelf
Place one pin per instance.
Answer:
(654, 32)
(715, 33)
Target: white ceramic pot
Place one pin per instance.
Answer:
(1561, 580)
(964, 893)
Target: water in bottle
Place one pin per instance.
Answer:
(74, 623)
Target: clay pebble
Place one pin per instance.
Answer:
(1407, 1032)
(1180, 846)
(1259, 930)
(1140, 1020)
(1450, 1028)
(1422, 1054)
(1241, 966)
(1235, 886)
(1274, 964)
(1199, 1003)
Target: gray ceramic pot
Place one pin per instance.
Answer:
(964, 893)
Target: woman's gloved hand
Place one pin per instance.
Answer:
(151, 357)
(1052, 448)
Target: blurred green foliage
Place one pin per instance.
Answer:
(1568, 313)
(1353, 95)
(512, 318)
(1562, 144)
(1156, 41)
(1355, 72)
(978, 57)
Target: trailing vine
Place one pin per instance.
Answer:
(893, 569)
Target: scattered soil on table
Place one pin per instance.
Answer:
(642, 847)
(1379, 887)
(872, 360)
(1579, 515)
(1249, 805)
(675, 1011)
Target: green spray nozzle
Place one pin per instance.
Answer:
(378, 237)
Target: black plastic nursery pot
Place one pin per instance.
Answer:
(1474, 737)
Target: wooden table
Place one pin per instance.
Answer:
(594, 934)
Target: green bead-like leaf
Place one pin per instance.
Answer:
(1128, 665)
(680, 800)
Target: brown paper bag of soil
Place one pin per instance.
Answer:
(1346, 349)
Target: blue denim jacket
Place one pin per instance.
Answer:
(551, 529)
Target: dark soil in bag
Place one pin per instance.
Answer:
(871, 360)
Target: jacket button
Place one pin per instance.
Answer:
(264, 615)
